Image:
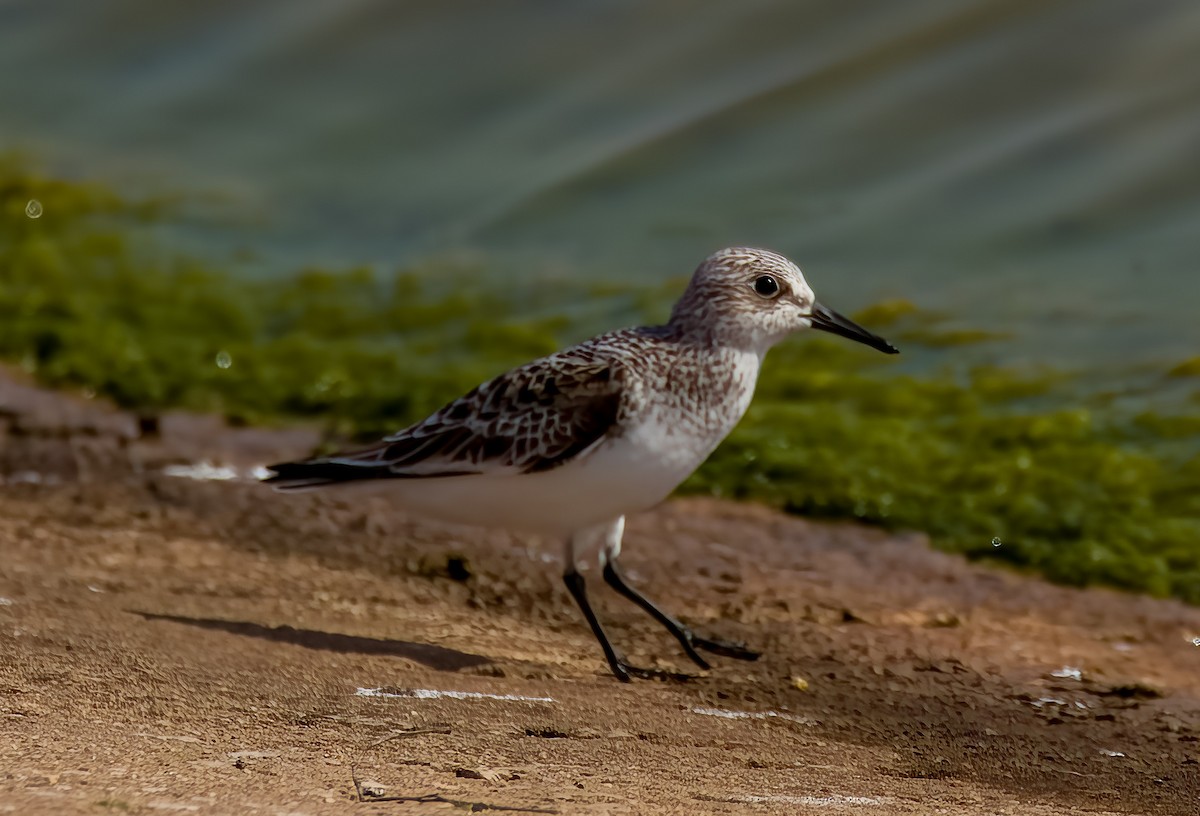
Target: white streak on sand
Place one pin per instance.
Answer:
(435, 694)
(833, 800)
(202, 471)
(751, 715)
(206, 471)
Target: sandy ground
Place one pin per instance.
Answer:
(176, 645)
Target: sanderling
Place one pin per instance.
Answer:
(569, 444)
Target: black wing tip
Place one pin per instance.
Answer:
(316, 473)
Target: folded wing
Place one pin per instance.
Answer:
(534, 418)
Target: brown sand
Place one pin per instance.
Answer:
(170, 645)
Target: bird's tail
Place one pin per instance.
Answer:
(312, 473)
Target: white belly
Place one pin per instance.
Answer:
(624, 475)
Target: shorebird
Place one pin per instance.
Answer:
(570, 444)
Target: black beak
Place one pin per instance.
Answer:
(827, 319)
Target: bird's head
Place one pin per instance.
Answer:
(753, 298)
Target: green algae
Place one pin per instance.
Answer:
(1080, 494)
(1188, 368)
(908, 323)
(1056, 488)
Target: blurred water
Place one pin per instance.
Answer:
(1030, 165)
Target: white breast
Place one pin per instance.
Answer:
(677, 431)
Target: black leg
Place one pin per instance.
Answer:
(616, 662)
(688, 639)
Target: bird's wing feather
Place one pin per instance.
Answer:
(534, 418)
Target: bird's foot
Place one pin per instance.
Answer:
(725, 648)
(625, 672)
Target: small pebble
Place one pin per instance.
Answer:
(370, 787)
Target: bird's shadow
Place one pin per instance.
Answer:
(435, 657)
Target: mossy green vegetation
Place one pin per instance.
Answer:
(1082, 495)
(1188, 368)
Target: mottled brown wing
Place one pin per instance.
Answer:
(534, 418)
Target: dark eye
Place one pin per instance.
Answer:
(767, 286)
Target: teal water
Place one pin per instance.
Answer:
(1030, 167)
